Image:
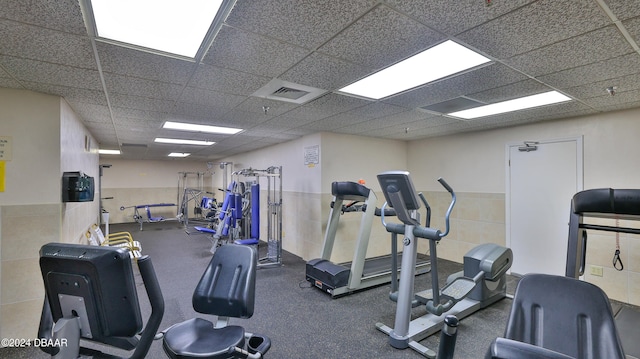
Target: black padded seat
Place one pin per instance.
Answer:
(193, 339)
(227, 290)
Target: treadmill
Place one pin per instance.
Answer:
(612, 204)
(361, 273)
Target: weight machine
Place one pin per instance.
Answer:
(247, 219)
(190, 189)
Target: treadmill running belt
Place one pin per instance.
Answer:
(382, 264)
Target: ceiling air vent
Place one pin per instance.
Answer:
(133, 149)
(288, 91)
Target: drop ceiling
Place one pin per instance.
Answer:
(124, 95)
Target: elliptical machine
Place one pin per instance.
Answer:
(480, 284)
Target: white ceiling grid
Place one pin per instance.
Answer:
(578, 47)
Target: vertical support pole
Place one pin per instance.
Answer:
(575, 246)
(399, 336)
(362, 242)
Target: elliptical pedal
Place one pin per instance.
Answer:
(458, 289)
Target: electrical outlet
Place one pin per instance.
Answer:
(595, 271)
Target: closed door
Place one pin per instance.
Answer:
(541, 183)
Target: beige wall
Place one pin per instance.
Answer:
(354, 158)
(132, 183)
(307, 188)
(78, 152)
(31, 211)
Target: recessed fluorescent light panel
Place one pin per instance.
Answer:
(178, 154)
(546, 98)
(183, 142)
(432, 64)
(200, 128)
(108, 152)
(177, 27)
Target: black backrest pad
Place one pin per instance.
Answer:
(607, 200)
(565, 315)
(227, 287)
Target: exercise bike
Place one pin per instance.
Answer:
(480, 284)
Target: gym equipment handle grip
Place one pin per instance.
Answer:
(445, 185)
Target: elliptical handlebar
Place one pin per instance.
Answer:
(382, 211)
(453, 202)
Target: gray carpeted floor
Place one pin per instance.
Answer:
(302, 322)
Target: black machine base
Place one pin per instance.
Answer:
(326, 275)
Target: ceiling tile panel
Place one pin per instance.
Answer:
(71, 94)
(52, 74)
(10, 83)
(227, 80)
(633, 27)
(623, 106)
(368, 126)
(241, 119)
(142, 87)
(381, 37)
(511, 91)
(184, 111)
(376, 110)
(305, 23)
(333, 122)
(289, 123)
(395, 123)
(248, 52)
(414, 115)
(62, 15)
(446, 129)
(298, 132)
(326, 106)
(541, 23)
(598, 45)
(596, 72)
(199, 96)
(596, 89)
(137, 124)
(621, 99)
(129, 62)
(37, 43)
(325, 72)
(92, 112)
(624, 9)
(452, 18)
(148, 114)
(140, 103)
